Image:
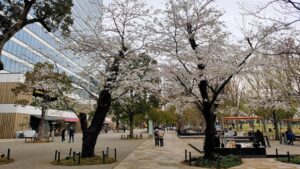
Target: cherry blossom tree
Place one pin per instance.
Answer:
(279, 52)
(111, 49)
(199, 61)
(48, 87)
(266, 94)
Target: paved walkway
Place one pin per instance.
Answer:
(147, 156)
(132, 154)
(39, 155)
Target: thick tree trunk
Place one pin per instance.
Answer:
(41, 124)
(131, 118)
(289, 126)
(90, 134)
(275, 123)
(210, 132)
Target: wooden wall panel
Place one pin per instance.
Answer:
(8, 97)
(12, 122)
(7, 123)
(22, 122)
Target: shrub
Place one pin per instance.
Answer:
(294, 159)
(222, 162)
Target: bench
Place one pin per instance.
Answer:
(29, 134)
(244, 152)
(244, 139)
(284, 140)
(239, 138)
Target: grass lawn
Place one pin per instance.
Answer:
(258, 126)
(5, 161)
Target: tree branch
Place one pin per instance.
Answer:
(294, 4)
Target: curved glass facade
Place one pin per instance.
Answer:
(34, 44)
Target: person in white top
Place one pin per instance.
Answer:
(230, 132)
(161, 134)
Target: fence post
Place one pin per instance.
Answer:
(70, 152)
(79, 156)
(8, 154)
(55, 156)
(116, 154)
(58, 160)
(276, 153)
(190, 157)
(103, 157)
(288, 156)
(185, 155)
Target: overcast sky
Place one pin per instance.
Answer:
(232, 12)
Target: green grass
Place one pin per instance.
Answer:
(97, 160)
(222, 163)
(5, 161)
(246, 127)
(294, 159)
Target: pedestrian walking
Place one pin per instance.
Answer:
(161, 134)
(156, 137)
(63, 134)
(71, 134)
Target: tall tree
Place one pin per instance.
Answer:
(16, 14)
(201, 61)
(133, 105)
(45, 84)
(110, 48)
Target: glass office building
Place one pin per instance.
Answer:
(34, 44)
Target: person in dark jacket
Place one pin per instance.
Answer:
(71, 134)
(259, 138)
(63, 134)
(156, 137)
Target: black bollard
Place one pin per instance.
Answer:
(116, 154)
(190, 157)
(276, 153)
(58, 158)
(103, 157)
(55, 156)
(185, 155)
(8, 154)
(70, 152)
(74, 155)
(288, 156)
(79, 156)
(107, 152)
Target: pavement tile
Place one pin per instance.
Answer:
(147, 156)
